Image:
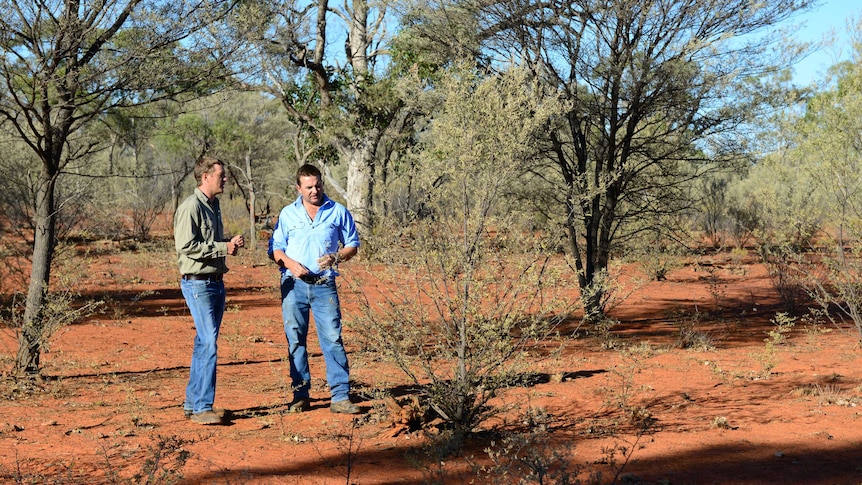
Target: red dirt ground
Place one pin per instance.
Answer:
(111, 398)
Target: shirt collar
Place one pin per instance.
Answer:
(203, 198)
(326, 201)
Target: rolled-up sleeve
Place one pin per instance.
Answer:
(278, 239)
(349, 234)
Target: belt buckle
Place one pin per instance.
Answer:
(313, 279)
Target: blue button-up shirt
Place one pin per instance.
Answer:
(304, 240)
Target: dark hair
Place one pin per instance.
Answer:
(205, 165)
(307, 170)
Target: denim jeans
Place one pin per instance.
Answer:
(297, 298)
(206, 302)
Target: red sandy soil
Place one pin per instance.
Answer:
(110, 401)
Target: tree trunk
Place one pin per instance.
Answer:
(360, 180)
(360, 165)
(31, 337)
(252, 226)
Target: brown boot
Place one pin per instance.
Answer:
(344, 407)
(207, 417)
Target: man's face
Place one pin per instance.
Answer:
(311, 189)
(212, 183)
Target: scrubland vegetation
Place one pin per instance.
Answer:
(525, 180)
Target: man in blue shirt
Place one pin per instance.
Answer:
(312, 236)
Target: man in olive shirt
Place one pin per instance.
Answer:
(201, 251)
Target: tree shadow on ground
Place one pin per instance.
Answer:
(722, 464)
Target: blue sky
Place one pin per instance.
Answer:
(831, 15)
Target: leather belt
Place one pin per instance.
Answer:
(314, 279)
(203, 277)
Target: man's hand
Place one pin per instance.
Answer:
(295, 268)
(328, 260)
(234, 244)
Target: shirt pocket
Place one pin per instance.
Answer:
(327, 235)
(297, 232)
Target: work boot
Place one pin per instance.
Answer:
(207, 417)
(344, 407)
(299, 405)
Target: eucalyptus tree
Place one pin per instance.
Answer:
(660, 90)
(326, 63)
(63, 65)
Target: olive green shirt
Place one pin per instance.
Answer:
(199, 236)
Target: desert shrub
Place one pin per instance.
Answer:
(164, 462)
(712, 208)
(744, 223)
(778, 204)
(690, 336)
(656, 254)
(829, 275)
(657, 262)
(776, 337)
(783, 265)
(531, 457)
(161, 463)
(146, 203)
(608, 290)
(835, 284)
(460, 330)
(128, 207)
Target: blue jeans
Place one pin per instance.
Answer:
(206, 302)
(297, 299)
